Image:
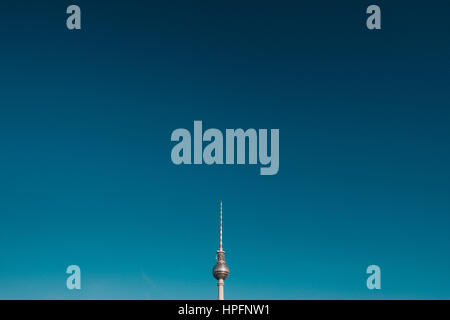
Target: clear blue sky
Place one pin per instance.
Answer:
(85, 169)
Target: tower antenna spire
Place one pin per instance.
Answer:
(221, 248)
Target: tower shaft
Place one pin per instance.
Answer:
(220, 285)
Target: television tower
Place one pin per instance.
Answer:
(220, 270)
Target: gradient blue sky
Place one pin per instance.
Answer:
(85, 169)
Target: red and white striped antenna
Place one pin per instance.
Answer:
(221, 225)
